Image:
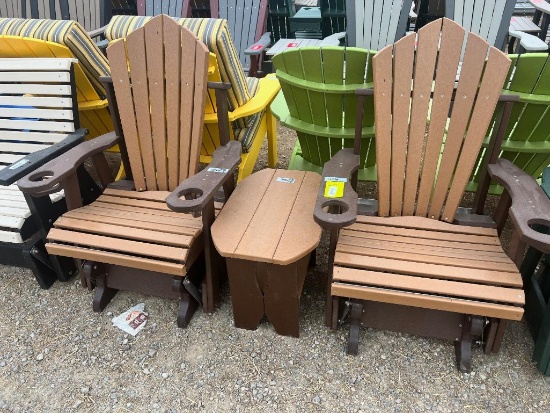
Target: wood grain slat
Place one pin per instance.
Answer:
(487, 293)
(470, 75)
(420, 235)
(264, 231)
(118, 245)
(133, 209)
(186, 115)
(382, 72)
(106, 199)
(496, 70)
(413, 222)
(412, 257)
(115, 259)
(426, 242)
(155, 77)
(172, 64)
(135, 43)
(124, 232)
(116, 53)
(428, 301)
(403, 58)
(159, 196)
(448, 57)
(305, 233)
(202, 57)
(366, 244)
(423, 80)
(510, 279)
(227, 234)
(132, 221)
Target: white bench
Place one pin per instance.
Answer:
(38, 121)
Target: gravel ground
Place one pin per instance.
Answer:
(58, 355)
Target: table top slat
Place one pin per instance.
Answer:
(301, 234)
(269, 219)
(265, 229)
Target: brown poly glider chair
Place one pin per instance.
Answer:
(136, 236)
(414, 261)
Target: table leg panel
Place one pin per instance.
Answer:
(246, 296)
(282, 296)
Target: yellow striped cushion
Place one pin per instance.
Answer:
(67, 33)
(215, 34)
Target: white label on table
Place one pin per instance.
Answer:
(286, 180)
(218, 170)
(335, 179)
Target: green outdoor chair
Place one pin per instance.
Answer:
(322, 105)
(527, 140)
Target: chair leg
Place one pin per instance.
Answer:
(188, 306)
(95, 273)
(272, 158)
(356, 316)
(471, 326)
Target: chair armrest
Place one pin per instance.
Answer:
(97, 32)
(341, 166)
(29, 163)
(269, 87)
(529, 42)
(102, 44)
(202, 187)
(47, 179)
(530, 205)
(260, 45)
(333, 39)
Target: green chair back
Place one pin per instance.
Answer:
(318, 101)
(527, 139)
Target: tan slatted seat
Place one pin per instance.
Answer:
(135, 229)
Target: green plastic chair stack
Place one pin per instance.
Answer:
(527, 139)
(318, 101)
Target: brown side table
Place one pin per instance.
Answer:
(267, 233)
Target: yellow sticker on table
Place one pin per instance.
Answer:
(334, 189)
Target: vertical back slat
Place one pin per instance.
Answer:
(361, 26)
(403, 57)
(382, 72)
(186, 114)
(451, 47)
(489, 92)
(477, 14)
(470, 76)
(116, 53)
(333, 73)
(496, 20)
(201, 79)
(172, 35)
(485, 23)
(138, 64)
(423, 79)
(155, 76)
(372, 43)
(384, 24)
(73, 15)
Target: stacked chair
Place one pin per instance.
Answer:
(67, 39)
(39, 121)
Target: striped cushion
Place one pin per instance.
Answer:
(67, 33)
(215, 34)
(246, 135)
